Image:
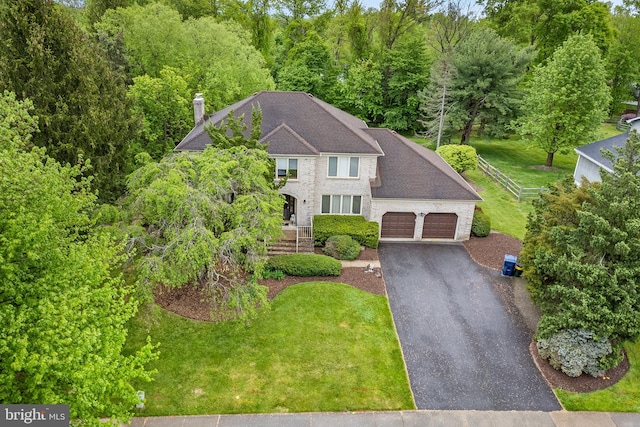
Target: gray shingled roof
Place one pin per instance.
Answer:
(593, 153)
(410, 171)
(312, 126)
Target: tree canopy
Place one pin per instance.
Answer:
(567, 99)
(63, 302)
(206, 218)
(582, 254)
(79, 99)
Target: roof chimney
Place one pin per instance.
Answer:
(198, 108)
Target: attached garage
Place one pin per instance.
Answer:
(398, 225)
(439, 226)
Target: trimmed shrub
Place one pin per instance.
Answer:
(362, 231)
(342, 247)
(575, 351)
(305, 265)
(481, 224)
(459, 157)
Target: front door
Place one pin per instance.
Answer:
(289, 207)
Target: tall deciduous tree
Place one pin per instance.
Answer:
(310, 68)
(623, 58)
(568, 98)
(165, 105)
(79, 99)
(582, 254)
(486, 83)
(215, 58)
(405, 72)
(63, 303)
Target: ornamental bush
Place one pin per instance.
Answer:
(459, 157)
(305, 265)
(342, 247)
(481, 224)
(575, 351)
(362, 231)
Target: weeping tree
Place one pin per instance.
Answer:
(206, 219)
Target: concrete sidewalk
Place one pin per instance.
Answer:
(361, 263)
(402, 419)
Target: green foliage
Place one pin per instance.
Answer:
(568, 98)
(80, 101)
(405, 72)
(16, 124)
(361, 93)
(63, 302)
(575, 351)
(164, 103)
(342, 247)
(624, 396)
(485, 85)
(459, 157)
(623, 57)
(309, 68)
(481, 224)
(214, 58)
(231, 132)
(206, 217)
(364, 232)
(581, 254)
(273, 274)
(305, 265)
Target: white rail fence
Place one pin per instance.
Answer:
(521, 193)
(303, 232)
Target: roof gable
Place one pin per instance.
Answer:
(410, 171)
(324, 127)
(284, 140)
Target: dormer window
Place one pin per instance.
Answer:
(343, 167)
(286, 167)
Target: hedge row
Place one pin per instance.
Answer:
(305, 265)
(362, 231)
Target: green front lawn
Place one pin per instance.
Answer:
(621, 397)
(507, 215)
(322, 347)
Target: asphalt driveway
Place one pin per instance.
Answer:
(463, 349)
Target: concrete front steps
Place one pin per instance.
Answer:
(287, 245)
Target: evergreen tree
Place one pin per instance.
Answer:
(79, 99)
(582, 255)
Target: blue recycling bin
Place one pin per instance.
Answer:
(509, 266)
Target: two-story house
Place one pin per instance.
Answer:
(337, 165)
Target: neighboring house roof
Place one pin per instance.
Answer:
(410, 171)
(306, 124)
(592, 151)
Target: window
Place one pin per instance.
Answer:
(287, 167)
(344, 167)
(340, 204)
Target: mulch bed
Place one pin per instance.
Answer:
(192, 302)
(490, 251)
(582, 384)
